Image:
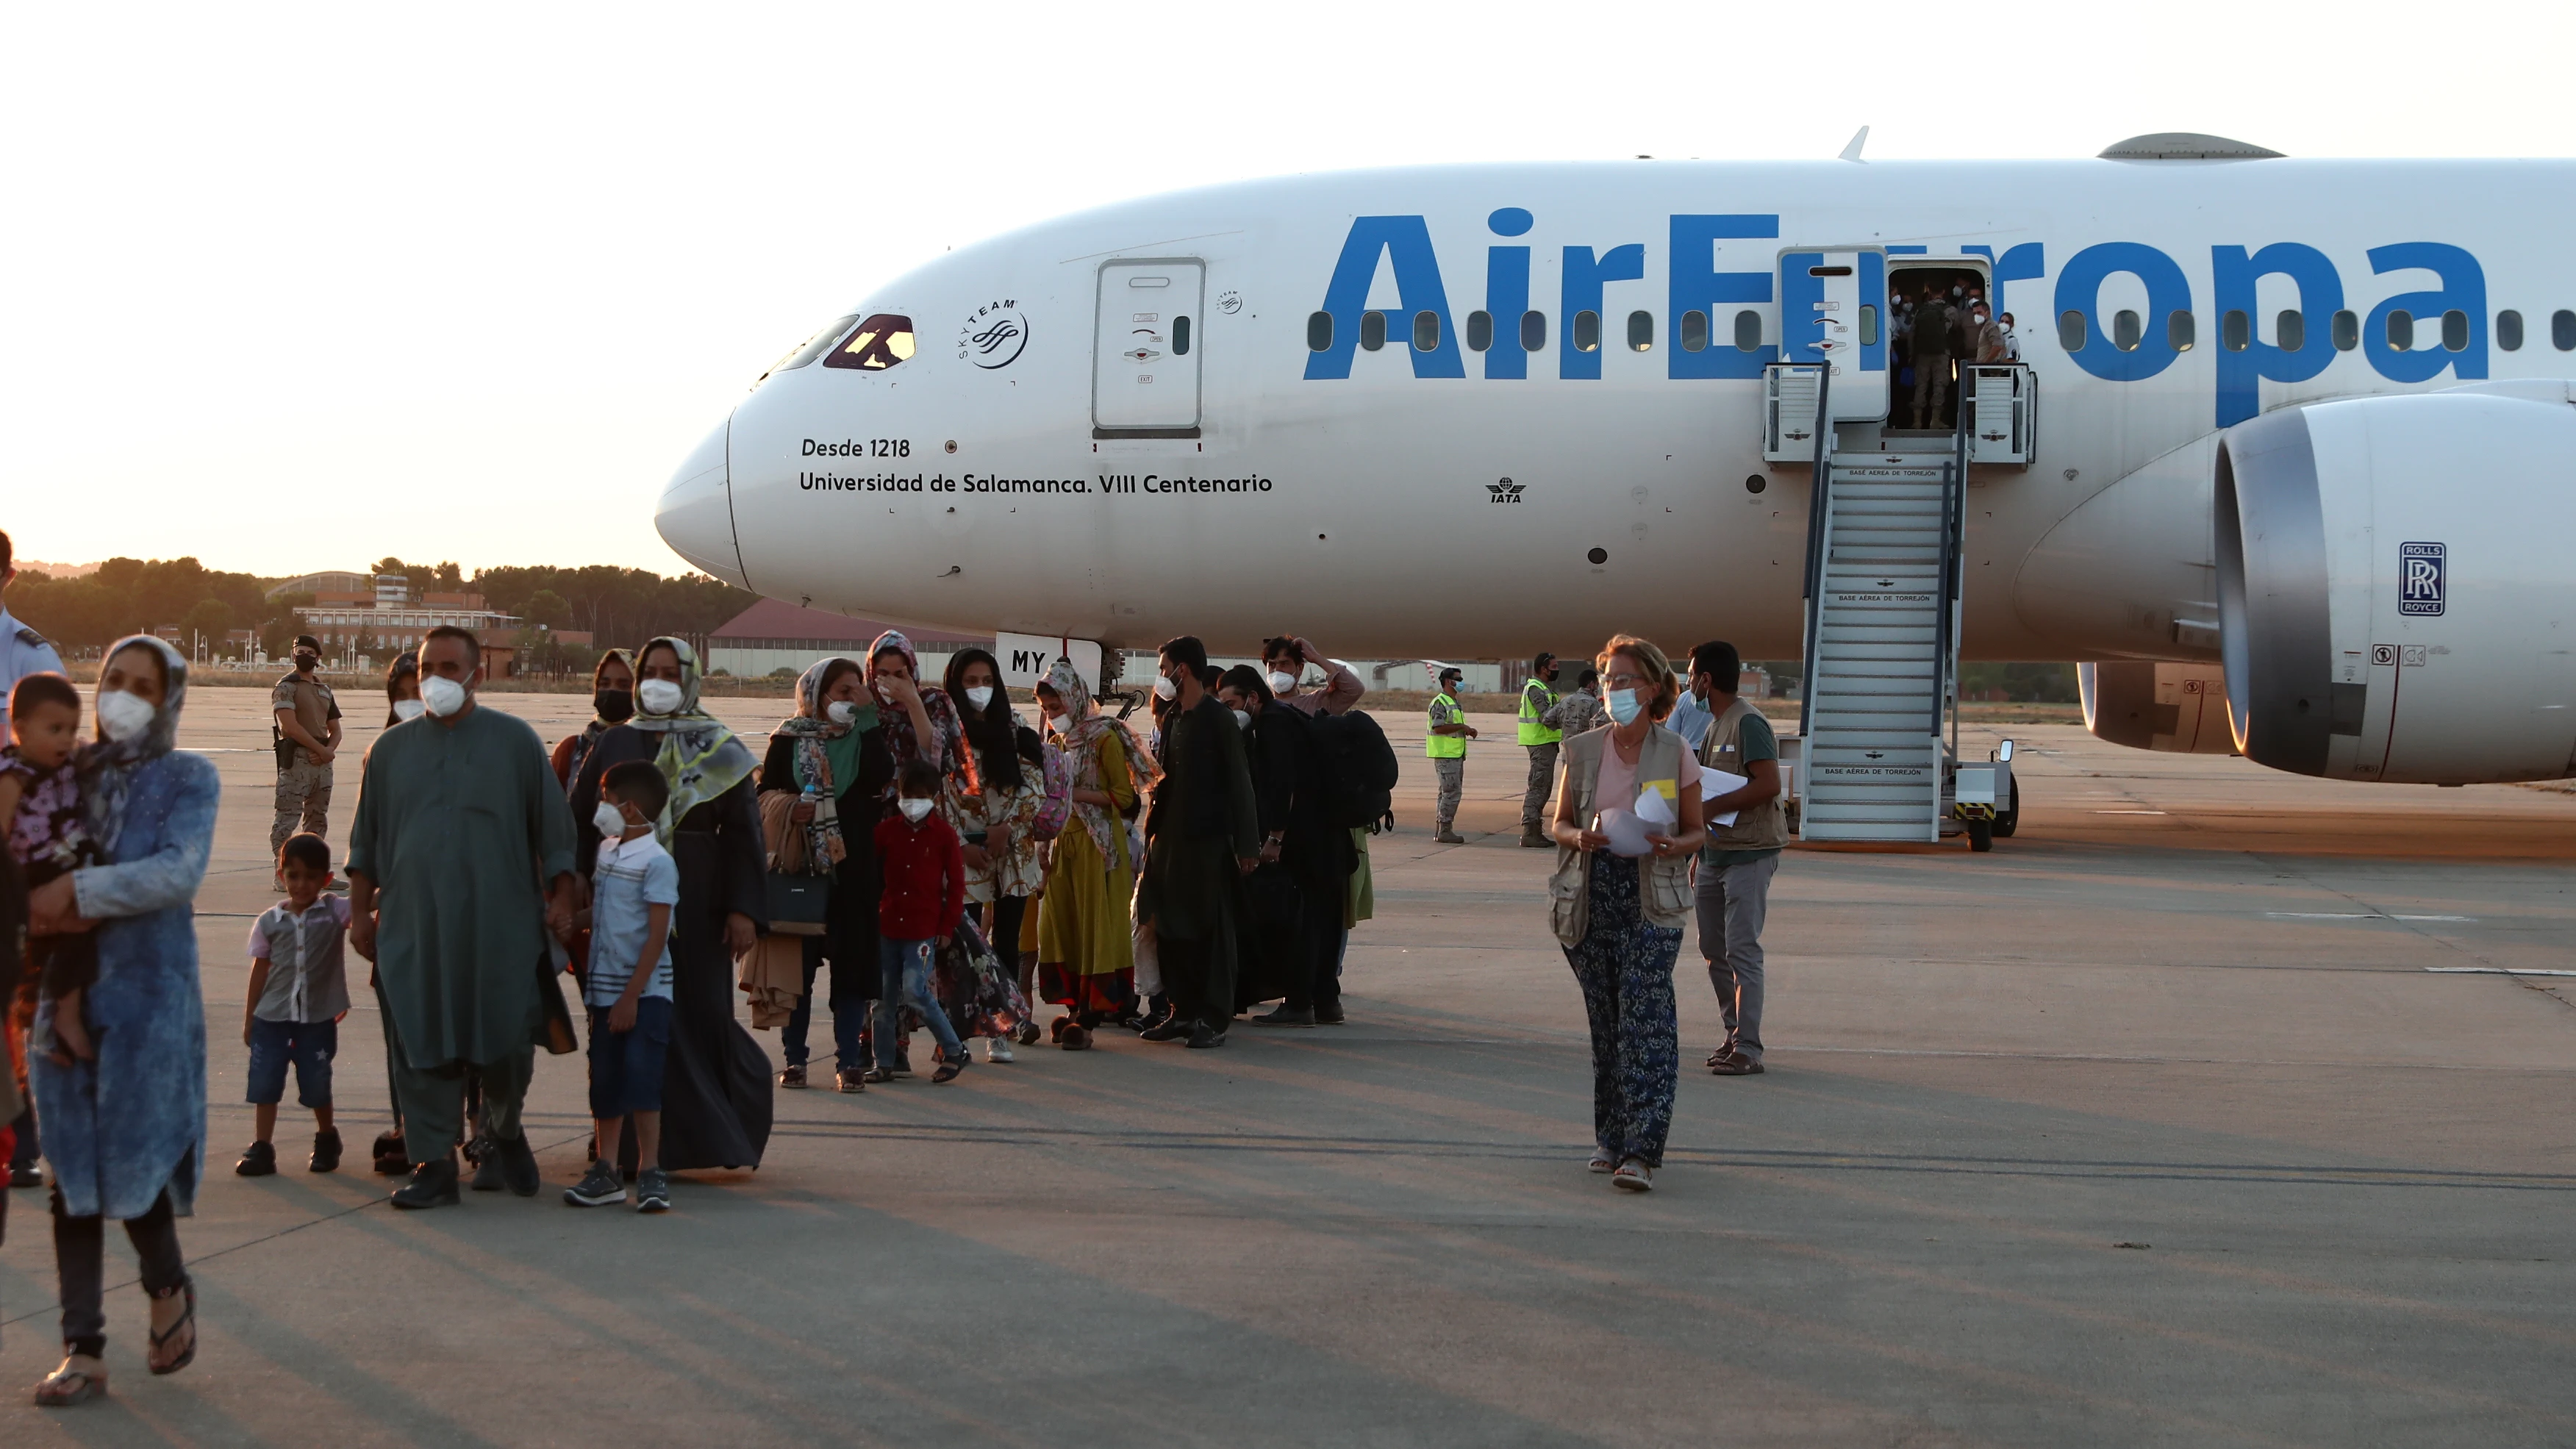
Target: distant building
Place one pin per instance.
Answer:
(346, 585)
(770, 636)
(387, 629)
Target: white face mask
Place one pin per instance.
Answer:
(1282, 683)
(124, 715)
(407, 709)
(915, 807)
(608, 820)
(1242, 719)
(658, 696)
(980, 696)
(443, 696)
(1164, 688)
(1624, 704)
(840, 711)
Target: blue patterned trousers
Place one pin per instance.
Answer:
(1625, 967)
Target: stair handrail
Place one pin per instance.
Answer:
(1954, 518)
(1818, 499)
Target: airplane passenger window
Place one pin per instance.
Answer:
(1426, 331)
(1587, 331)
(2179, 330)
(1641, 331)
(2347, 331)
(2401, 331)
(2234, 331)
(2455, 331)
(1180, 337)
(2070, 330)
(1319, 332)
(1533, 331)
(1748, 331)
(2291, 328)
(1694, 331)
(816, 345)
(1480, 331)
(2128, 329)
(2509, 330)
(2562, 331)
(1868, 325)
(1372, 330)
(881, 341)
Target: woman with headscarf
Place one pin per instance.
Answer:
(999, 823)
(402, 689)
(125, 1129)
(1086, 941)
(402, 702)
(937, 734)
(612, 703)
(833, 749)
(716, 1092)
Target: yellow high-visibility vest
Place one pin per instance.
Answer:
(1444, 747)
(1533, 732)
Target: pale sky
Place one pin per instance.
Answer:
(293, 288)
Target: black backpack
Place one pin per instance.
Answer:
(1359, 768)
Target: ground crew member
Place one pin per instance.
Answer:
(1538, 696)
(1445, 741)
(307, 736)
(1736, 866)
(23, 651)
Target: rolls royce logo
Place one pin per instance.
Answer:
(2422, 570)
(1506, 491)
(993, 335)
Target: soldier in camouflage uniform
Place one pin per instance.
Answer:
(1445, 736)
(307, 735)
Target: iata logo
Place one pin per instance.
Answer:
(993, 335)
(1506, 491)
(2421, 570)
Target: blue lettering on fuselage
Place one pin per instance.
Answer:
(2123, 347)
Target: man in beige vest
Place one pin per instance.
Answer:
(1736, 866)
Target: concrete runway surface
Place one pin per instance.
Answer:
(2195, 1114)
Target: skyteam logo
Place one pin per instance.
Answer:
(993, 335)
(2421, 568)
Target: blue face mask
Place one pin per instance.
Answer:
(1624, 705)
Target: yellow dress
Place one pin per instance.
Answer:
(1086, 940)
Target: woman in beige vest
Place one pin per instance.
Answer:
(1620, 916)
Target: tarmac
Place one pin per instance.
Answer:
(2205, 1110)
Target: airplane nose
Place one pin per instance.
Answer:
(695, 516)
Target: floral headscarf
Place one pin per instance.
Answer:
(947, 732)
(700, 759)
(590, 732)
(106, 768)
(816, 740)
(1081, 730)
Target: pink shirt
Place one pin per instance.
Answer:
(1616, 786)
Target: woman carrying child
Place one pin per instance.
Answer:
(716, 1096)
(125, 1130)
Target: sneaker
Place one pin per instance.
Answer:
(998, 1049)
(1633, 1176)
(1286, 1016)
(1026, 1033)
(1172, 1028)
(792, 1076)
(850, 1081)
(653, 1191)
(433, 1184)
(1203, 1038)
(26, 1175)
(257, 1160)
(598, 1187)
(326, 1151)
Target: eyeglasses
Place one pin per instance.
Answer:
(1623, 681)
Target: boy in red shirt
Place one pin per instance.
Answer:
(924, 867)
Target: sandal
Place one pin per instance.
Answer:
(1075, 1039)
(68, 1385)
(1736, 1064)
(187, 1320)
(1601, 1161)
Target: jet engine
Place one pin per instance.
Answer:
(2179, 707)
(2396, 589)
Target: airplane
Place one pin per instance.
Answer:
(2286, 439)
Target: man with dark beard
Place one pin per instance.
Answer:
(1202, 838)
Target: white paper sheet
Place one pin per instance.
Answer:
(1627, 833)
(1713, 783)
(1657, 811)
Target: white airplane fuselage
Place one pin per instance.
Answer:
(1410, 501)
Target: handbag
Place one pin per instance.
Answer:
(799, 905)
(560, 1039)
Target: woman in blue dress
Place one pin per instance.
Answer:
(125, 1129)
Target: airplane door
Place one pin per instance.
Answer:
(1145, 349)
(1833, 307)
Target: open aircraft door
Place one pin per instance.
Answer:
(1145, 349)
(1833, 308)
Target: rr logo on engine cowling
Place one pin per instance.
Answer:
(2422, 570)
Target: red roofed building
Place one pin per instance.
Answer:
(771, 636)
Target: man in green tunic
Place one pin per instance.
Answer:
(1202, 838)
(460, 863)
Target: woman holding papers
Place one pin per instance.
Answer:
(1627, 823)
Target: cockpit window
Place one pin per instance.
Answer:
(816, 345)
(881, 341)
